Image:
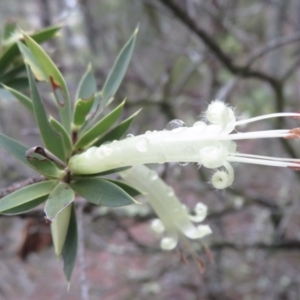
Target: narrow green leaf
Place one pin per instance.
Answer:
(61, 196)
(66, 138)
(21, 97)
(43, 164)
(13, 73)
(69, 252)
(99, 128)
(26, 194)
(118, 70)
(124, 186)
(82, 108)
(30, 60)
(59, 229)
(87, 86)
(55, 78)
(102, 192)
(9, 29)
(25, 207)
(13, 51)
(20, 83)
(14, 148)
(52, 140)
(117, 132)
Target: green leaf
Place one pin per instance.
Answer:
(30, 60)
(118, 70)
(102, 192)
(19, 83)
(61, 196)
(9, 29)
(13, 73)
(117, 132)
(14, 148)
(87, 86)
(13, 51)
(66, 138)
(124, 186)
(59, 229)
(52, 140)
(69, 252)
(82, 108)
(21, 97)
(43, 164)
(55, 78)
(99, 128)
(26, 194)
(25, 207)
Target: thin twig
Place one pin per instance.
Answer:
(18, 185)
(272, 45)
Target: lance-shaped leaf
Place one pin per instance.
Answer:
(103, 125)
(32, 62)
(126, 187)
(43, 163)
(13, 73)
(69, 252)
(117, 132)
(118, 70)
(21, 97)
(52, 140)
(102, 192)
(26, 195)
(61, 196)
(25, 207)
(9, 29)
(55, 78)
(19, 83)
(14, 148)
(59, 229)
(13, 51)
(87, 86)
(82, 108)
(65, 137)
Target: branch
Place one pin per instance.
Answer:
(242, 71)
(272, 45)
(18, 185)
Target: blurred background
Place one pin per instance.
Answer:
(188, 53)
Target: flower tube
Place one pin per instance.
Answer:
(210, 144)
(174, 219)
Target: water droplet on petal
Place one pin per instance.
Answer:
(90, 151)
(142, 145)
(174, 124)
(183, 164)
(129, 136)
(153, 175)
(160, 158)
(104, 151)
(170, 192)
(199, 126)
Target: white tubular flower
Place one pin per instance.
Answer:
(174, 219)
(211, 145)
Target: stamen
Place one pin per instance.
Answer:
(258, 161)
(269, 116)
